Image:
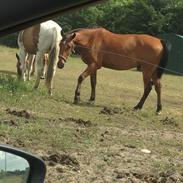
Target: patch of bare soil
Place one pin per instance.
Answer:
(5, 139)
(86, 123)
(63, 159)
(18, 143)
(162, 177)
(20, 113)
(111, 111)
(169, 121)
(117, 163)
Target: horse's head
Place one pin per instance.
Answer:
(20, 68)
(66, 47)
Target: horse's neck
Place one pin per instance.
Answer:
(82, 38)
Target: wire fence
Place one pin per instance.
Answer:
(133, 59)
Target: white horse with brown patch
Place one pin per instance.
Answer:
(39, 40)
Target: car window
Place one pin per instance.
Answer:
(97, 93)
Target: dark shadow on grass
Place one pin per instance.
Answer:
(83, 104)
(8, 72)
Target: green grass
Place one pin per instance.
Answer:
(109, 137)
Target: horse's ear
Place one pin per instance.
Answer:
(62, 33)
(73, 36)
(17, 56)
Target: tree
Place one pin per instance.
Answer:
(84, 18)
(124, 16)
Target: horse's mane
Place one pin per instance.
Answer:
(74, 30)
(79, 29)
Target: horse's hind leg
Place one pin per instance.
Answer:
(89, 70)
(157, 86)
(39, 63)
(45, 62)
(147, 90)
(93, 80)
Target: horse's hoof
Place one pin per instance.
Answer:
(91, 102)
(50, 93)
(159, 109)
(76, 101)
(137, 108)
(158, 112)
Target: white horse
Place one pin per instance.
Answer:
(39, 40)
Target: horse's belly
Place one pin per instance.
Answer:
(119, 64)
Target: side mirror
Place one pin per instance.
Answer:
(20, 167)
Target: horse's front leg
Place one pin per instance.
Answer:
(93, 81)
(91, 69)
(33, 65)
(45, 62)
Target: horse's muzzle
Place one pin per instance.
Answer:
(60, 65)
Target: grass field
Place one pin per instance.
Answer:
(81, 144)
(11, 179)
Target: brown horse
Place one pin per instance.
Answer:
(99, 47)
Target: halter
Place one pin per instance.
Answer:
(63, 58)
(72, 50)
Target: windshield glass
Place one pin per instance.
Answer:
(97, 93)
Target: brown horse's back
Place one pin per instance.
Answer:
(121, 52)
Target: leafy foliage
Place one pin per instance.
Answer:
(122, 16)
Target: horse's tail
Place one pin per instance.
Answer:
(164, 59)
(19, 39)
(51, 65)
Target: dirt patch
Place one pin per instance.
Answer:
(15, 143)
(63, 159)
(20, 113)
(19, 143)
(149, 178)
(111, 111)
(9, 122)
(169, 121)
(4, 138)
(86, 123)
